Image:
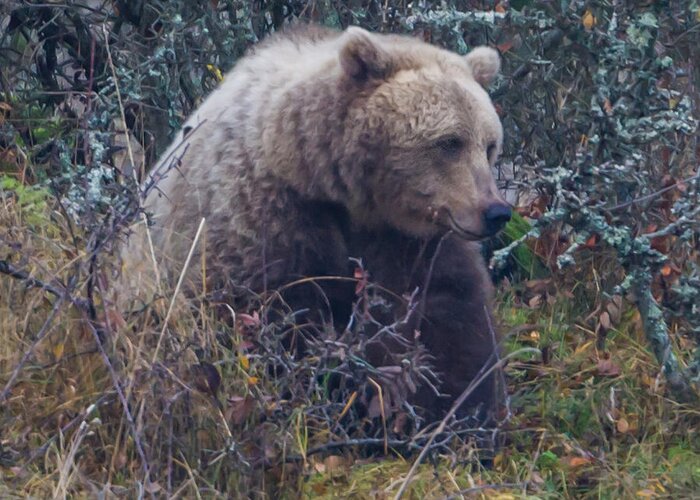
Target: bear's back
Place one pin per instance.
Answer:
(213, 166)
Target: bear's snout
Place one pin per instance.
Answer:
(496, 216)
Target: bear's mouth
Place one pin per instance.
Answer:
(462, 232)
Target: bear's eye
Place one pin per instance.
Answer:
(450, 145)
(491, 150)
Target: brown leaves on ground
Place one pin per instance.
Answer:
(607, 368)
(206, 378)
(239, 409)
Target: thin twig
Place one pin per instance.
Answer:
(392, 443)
(39, 337)
(31, 282)
(68, 463)
(460, 400)
(673, 226)
(122, 399)
(144, 218)
(650, 196)
(533, 462)
(482, 487)
(382, 412)
(502, 387)
(82, 417)
(10, 270)
(428, 278)
(177, 288)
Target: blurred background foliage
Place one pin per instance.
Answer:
(599, 100)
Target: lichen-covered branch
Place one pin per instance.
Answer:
(656, 331)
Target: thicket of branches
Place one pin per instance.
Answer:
(599, 101)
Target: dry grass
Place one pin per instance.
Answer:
(212, 422)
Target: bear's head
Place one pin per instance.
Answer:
(424, 133)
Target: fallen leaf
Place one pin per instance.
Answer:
(538, 286)
(583, 347)
(58, 351)
(606, 368)
(537, 478)
(334, 463)
(614, 308)
(216, 72)
(646, 493)
(152, 487)
(239, 409)
(607, 107)
(319, 488)
(245, 345)
(535, 302)
(361, 276)
(206, 378)
(18, 471)
(648, 381)
(115, 318)
(661, 244)
(588, 20)
(400, 422)
(505, 46)
(249, 320)
(578, 461)
(245, 363)
(622, 425)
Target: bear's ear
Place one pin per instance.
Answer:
(485, 64)
(361, 57)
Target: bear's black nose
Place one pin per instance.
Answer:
(495, 217)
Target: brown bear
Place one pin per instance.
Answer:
(320, 147)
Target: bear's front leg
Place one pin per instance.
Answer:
(458, 331)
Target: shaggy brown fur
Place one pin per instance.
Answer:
(321, 146)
